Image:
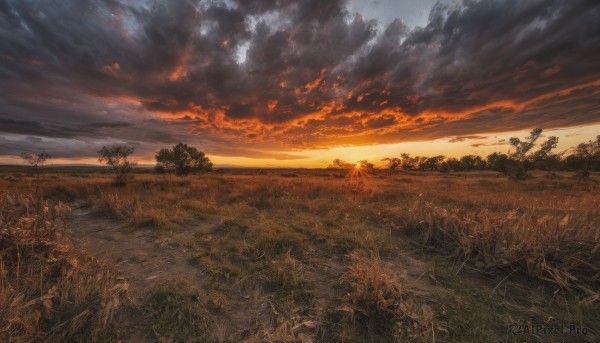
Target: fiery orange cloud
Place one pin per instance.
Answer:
(332, 125)
(316, 82)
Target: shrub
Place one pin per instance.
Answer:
(381, 305)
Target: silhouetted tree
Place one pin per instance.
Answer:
(117, 156)
(393, 163)
(523, 157)
(472, 162)
(409, 163)
(444, 167)
(341, 164)
(498, 162)
(587, 153)
(431, 163)
(183, 160)
(453, 164)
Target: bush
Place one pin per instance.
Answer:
(381, 306)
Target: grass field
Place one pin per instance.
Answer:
(298, 256)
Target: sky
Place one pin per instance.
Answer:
(295, 83)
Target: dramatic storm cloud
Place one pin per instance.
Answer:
(252, 78)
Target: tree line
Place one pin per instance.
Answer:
(525, 155)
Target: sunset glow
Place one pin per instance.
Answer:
(294, 84)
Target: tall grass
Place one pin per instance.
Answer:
(564, 250)
(48, 292)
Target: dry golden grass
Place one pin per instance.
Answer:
(381, 304)
(48, 292)
(310, 256)
(563, 250)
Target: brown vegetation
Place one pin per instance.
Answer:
(48, 292)
(316, 257)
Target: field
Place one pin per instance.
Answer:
(298, 256)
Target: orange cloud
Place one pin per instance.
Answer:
(271, 105)
(178, 73)
(180, 70)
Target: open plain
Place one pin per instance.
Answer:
(297, 256)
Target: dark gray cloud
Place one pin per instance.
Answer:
(276, 74)
(464, 138)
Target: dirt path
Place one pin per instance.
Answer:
(143, 259)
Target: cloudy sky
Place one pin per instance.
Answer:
(295, 82)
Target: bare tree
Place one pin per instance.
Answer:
(117, 156)
(36, 161)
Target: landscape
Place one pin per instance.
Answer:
(299, 171)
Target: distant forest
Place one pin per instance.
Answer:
(525, 155)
